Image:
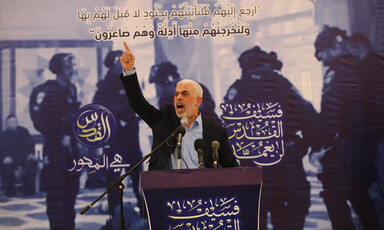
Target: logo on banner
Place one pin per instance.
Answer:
(214, 213)
(93, 164)
(94, 126)
(255, 131)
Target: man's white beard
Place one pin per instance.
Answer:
(182, 115)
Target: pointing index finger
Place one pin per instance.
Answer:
(126, 47)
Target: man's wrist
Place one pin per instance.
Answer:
(129, 72)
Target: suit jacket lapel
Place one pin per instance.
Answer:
(207, 137)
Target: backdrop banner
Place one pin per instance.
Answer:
(298, 85)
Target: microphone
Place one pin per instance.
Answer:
(199, 146)
(215, 147)
(180, 134)
(179, 131)
(184, 122)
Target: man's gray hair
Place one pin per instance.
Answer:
(196, 86)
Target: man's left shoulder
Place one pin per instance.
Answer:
(211, 125)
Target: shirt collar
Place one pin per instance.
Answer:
(197, 121)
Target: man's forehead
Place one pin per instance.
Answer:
(184, 88)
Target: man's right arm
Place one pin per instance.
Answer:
(138, 103)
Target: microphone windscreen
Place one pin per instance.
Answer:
(184, 121)
(215, 144)
(199, 144)
(181, 130)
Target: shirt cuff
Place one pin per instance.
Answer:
(129, 72)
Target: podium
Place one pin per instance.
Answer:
(225, 198)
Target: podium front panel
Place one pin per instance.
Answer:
(202, 198)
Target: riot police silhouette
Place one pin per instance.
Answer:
(348, 168)
(286, 191)
(111, 94)
(52, 105)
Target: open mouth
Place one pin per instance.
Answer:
(180, 108)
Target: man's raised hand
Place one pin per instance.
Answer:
(127, 59)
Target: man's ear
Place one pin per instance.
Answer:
(199, 101)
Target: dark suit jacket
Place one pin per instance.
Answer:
(163, 123)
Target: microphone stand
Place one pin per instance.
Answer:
(180, 131)
(178, 155)
(119, 183)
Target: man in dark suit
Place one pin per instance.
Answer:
(163, 122)
(17, 155)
